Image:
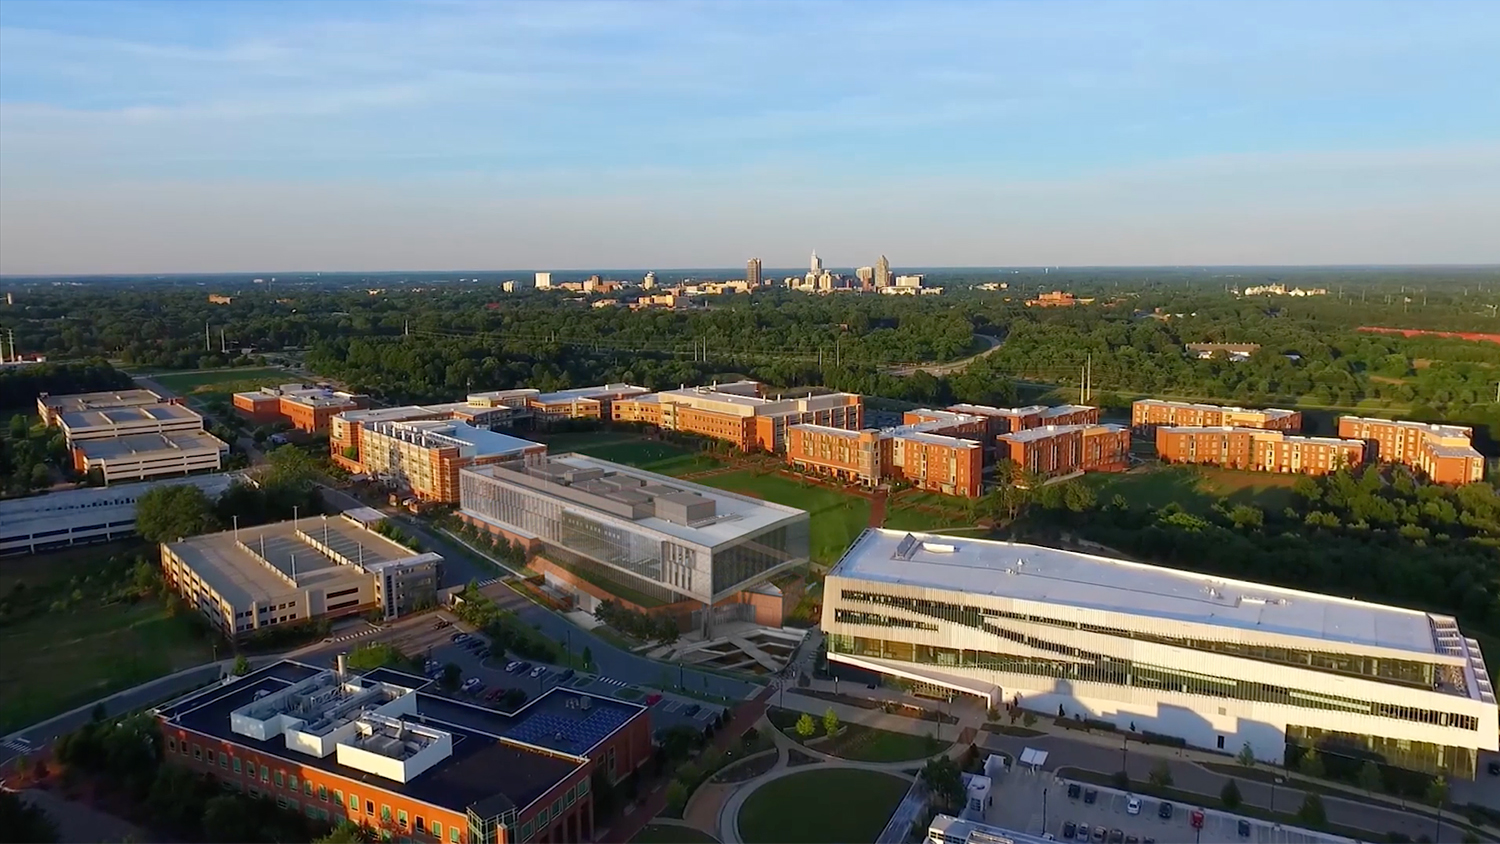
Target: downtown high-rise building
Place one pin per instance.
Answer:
(752, 272)
(816, 268)
(883, 272)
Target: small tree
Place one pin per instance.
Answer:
(677, 796)
(830, 721)
(805, 726)
(241, 666)
(1122, 780)
(1029, 719)
(1369, 777)
(1311, 764)
(1230, 795)
(451, 676)
(588, 657)
(1437, 791)
(1311, 812)
(1161, 774)
(1246, 756)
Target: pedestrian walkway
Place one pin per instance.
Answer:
(18, 744)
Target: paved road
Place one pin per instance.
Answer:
(947, 368)
(1063, 752)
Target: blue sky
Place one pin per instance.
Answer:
(180, 136)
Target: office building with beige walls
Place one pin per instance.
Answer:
(141, 457)
(248, 579)
(163, 418)
(581, 402)
(1218, 663)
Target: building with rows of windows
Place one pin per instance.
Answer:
(1257, 450)
(1146, 415)
(1218, 663)
(384, 750)
(601, 530)
(1445, 453)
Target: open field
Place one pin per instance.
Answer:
(1195, 488)
(859, 743)
(837, 517)
(57, 660)
(631, 450)
(220, 380)
(795, 809)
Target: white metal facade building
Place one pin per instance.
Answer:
(1219, 663)
(80, 516)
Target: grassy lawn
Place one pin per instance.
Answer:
(632, 450)
(56, 660)
(662, 833)
(795, 809)
(859, 743)
(1196, 488)
(837, 517)
(222, 380)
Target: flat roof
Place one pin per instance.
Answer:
(1262, 433)
(589, 393)
(1270, 412)
(485, 769)
(91, 506)
(1069, 578)
(1444, 450)
(735, 517)
(244, 574)
(931, 439)
(141, 446)
(440, 433)
(108, 398)
(1429, 427)
(986, 410)
(850, 433)
(1066, 408)
(1045, 431)
(160, 412)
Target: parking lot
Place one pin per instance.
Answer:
(667, 710)
(1019, 804)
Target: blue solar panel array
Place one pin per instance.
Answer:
(565, 733)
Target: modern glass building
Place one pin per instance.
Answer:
(1218, 663)
(636, 532)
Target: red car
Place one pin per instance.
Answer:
(653, 699)
(1197, 818)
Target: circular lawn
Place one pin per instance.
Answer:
(827, 806)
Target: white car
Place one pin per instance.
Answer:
(538, 671)
(473, 682)
(1133, 806)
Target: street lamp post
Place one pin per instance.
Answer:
(1044, 811)
(1124, 753)
(1275, 781)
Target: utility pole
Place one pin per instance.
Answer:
(207, 342)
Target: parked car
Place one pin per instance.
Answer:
(538, 672)
(1148, 840)
(470, 684)
(653, 699)
(483, 653)
(1244, 828)
(1131, 839)
(459, 637)
(692, 709)
(1083, 832)
(1164, 811)
(1132, 805)
(523, 667)
(1074, 789)
(1116, 836)
(1069, 828)
(1090, 795)
(566, 675)
(1099, 834)
(510, 667)
(1196, 818)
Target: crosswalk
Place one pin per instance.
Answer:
(17, 744)
(610, 681)
(355, 635)
(483, 583)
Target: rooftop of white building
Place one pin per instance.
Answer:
(1069, 578)
(144, 446)
(443, 433)
(1045, 431)
(1445, 431)
(1260, 433)
(589, 393)
(77, 420)
(1270, 412)
(90, 506)
(100, 400)
(734, 516)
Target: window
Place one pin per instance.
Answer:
(236, 764)
(354, 802)
(280, 780)
(541, 819)
(369, 807)
(437, 830)
(171, 745)
(418, 824)
(401, 818)
(526, 831)
(452, 835)
(1221, 742)
(568, 797)
(312, 812)
(307, 787)
(197, 752)
(338, 798)
(583, 787)
(281, 801)
(385, 813)
(223, 760)
(291, 781)
(265, 774)
(323, 793)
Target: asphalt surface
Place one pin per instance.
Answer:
(1187, 776)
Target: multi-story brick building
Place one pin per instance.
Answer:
(306, 407)
(1006, 420)
(385, 751)
(1148, 414)
(1444, 452)
(935, 462)
(488, 411)
(1257, 450)
(1061, 449)
(948, 423)
(740, 413)
(581, 402)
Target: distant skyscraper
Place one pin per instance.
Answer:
(649, 281)
(883, 272)
(543, 281)
(865, 275)
(817, 265)
(752, 272)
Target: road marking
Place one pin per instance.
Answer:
(18, 744)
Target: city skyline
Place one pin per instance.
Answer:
(255, 137)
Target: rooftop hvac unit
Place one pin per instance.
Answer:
(585, 703)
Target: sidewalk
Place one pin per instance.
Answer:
(867, 717)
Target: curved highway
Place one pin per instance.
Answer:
(948, 368)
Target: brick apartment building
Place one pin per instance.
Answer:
(1257, 450)
(1148, 414)
(1063, 449)
(740, 413)
(581, 402)
(1445, 453)
(1007, 420)
(385, 751)
(306, 407)
(934, 462)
